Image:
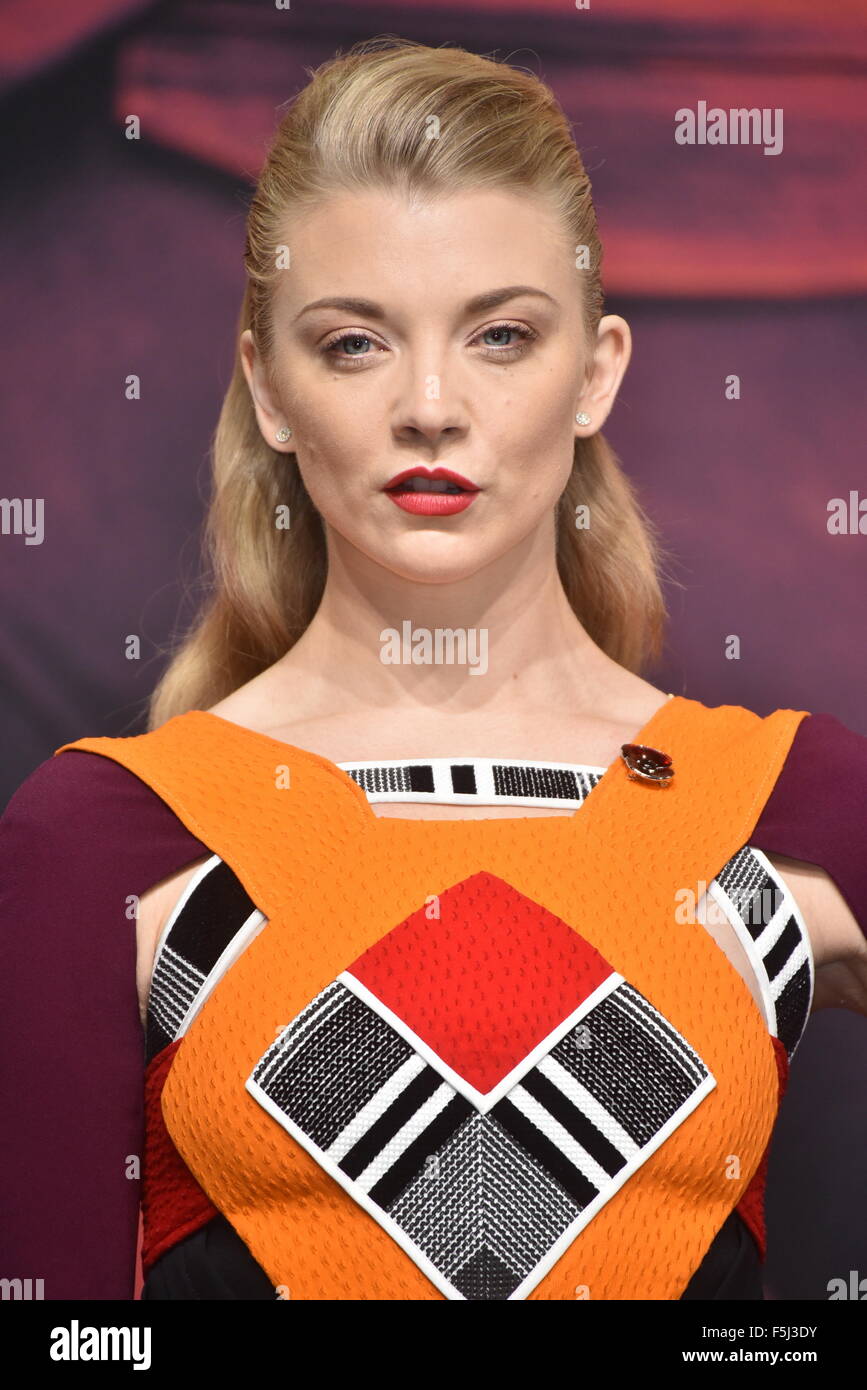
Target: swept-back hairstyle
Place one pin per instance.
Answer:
(363, 120)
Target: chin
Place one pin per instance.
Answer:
(437, 571)
(423, 557)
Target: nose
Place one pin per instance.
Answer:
(430, 403)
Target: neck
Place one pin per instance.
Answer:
(502, 638)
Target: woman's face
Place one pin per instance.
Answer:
(414, 375)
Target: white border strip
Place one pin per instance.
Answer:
(481, 1102)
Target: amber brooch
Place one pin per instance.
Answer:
(645, 764)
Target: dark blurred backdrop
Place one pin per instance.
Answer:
(124, 256)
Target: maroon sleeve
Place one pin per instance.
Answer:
(79, 836)
(817, 810)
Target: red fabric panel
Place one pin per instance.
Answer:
(752, 1204)
(173, 1203)
(488, 953)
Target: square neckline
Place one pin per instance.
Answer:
(400, 822)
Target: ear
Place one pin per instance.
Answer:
(610, 360)
(269, 412)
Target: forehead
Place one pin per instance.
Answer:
(439, 244)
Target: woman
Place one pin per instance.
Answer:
(388, 1054)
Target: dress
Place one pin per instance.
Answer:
(462, 1066)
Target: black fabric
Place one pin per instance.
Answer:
(731, 1268)
(214, 1263)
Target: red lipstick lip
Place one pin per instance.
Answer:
(431, 504)
(445, 474)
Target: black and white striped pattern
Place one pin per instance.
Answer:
(213, 913)
(769, 925)
(479, 781)
(213, 921)
(484, 1203)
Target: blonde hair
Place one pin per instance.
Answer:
(361, 121)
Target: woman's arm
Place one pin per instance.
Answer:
(79, 841)
(814, 829)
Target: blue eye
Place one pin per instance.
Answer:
(509, 351)
(525, 334)
(347, 338)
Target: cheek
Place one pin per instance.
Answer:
(537, 429)
(327, 443)
(319, 430)
(543, 404)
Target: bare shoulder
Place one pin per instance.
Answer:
(838, 944)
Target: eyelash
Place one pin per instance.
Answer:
(511, 353)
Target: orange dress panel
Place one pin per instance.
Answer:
(334, 880)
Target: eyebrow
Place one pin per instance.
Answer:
(369, 309)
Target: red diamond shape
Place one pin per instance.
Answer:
(487, 981)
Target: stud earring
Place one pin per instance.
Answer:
(283, 434)
(582, 418)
